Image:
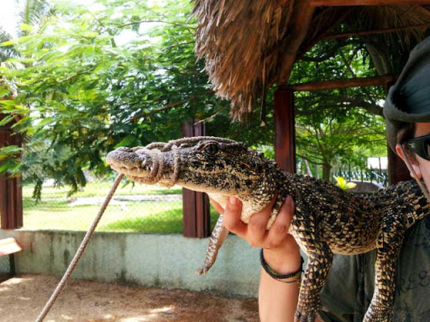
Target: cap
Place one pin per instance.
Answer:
(408, 100)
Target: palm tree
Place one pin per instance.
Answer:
(31, 12)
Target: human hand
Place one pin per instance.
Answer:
(281, 251)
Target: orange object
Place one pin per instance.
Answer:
(9, 246)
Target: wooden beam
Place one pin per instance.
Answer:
(299, 29)
(11, 211)
(195, 205)
(343, 83)
(342, 3)
(323, 33)
(285, 138)
(375, 32)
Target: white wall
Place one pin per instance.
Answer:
(168, 261)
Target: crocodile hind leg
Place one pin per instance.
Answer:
(319, 262)
(219, 234)
(389, 244)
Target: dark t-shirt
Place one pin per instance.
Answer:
(349, 288)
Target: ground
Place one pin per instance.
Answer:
(23, 297)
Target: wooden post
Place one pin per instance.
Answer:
(10, 188)
(195, 204)
(285, 137)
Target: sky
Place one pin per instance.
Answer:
(8, 15)
(9, 12)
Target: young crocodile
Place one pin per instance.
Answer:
(327, 219)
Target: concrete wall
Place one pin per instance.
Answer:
(168, 261)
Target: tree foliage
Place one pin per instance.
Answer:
(85, 80)
(342, 126)
(119, 74)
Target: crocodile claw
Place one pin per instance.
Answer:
(203, 270)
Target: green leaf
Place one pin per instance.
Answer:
(26, 27)
(9, 152)
(6, 120)
(8, 43)
(128, 141)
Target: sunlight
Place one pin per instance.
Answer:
(152, 315)
(8, 16)
(17, 280)
(162, 309)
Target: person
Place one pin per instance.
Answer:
(349, 288)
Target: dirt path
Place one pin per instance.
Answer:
(22, 298)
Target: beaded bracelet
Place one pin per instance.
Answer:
(281, 277)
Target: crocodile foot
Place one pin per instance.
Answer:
(377, 314)
(305, 316)
(203, 270)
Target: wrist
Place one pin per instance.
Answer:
(283, 262)
(291, 277)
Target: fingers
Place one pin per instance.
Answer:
(257, 232)
(232, 220)
(279, 230)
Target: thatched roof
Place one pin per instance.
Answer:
(249, 45)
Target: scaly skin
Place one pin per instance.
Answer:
(327, 220)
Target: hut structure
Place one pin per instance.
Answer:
(251, 45)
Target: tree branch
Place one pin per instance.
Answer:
(376, 31)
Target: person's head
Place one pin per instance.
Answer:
(407, 113)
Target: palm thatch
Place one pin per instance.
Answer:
(249, 45)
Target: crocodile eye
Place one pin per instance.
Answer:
(210, 148)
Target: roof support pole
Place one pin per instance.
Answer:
(10, 188)
(304, 12)
(285, 136)
(195, 205)
(330, 3)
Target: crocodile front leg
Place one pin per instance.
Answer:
(219, 235)
(389, 244)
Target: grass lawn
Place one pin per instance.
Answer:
(161, 213)
(100, 188)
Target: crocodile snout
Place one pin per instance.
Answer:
(127, 161)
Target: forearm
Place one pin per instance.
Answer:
(278, 300)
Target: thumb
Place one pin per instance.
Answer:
(233, 205)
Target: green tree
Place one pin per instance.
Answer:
(90, 81)
(32, 15)
(344, 135)
(342, 126)
(123, 74)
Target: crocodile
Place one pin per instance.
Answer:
(327, 219)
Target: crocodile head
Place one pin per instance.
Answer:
(208, 164)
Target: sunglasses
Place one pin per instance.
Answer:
(420, 145)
